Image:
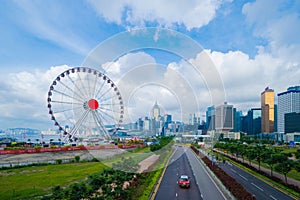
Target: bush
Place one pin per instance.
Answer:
(230, 183)
(58, 161)
(77, 158)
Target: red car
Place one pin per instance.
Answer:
(184, 181)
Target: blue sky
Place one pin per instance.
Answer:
(253, 44)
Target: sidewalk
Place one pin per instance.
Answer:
(268, 171)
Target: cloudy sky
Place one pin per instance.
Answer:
(187, 55)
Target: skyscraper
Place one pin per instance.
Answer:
(237, 120)
(288, 102)
(210, 118)
(156, 111)
(254, 121)
(267, 111)
(224, 118)
(292, 122)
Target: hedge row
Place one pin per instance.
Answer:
(276, 179)
(230, 183)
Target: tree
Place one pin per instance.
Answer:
(251, 155)
(259, 151)
(284, 164)
(297, 154)
(272, 159)
(78, 191)
(77, 158)
(57, 192)
(242, 151)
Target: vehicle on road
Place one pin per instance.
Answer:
(184, 181)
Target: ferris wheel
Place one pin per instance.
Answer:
(84, 102)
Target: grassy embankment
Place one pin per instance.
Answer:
(27, 182)
(147, 184)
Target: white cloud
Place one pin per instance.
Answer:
(24, 95)
(244, 78)
(278, 22)
(191, 14)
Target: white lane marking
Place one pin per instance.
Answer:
(176, 194)
(233, 170)
(257, 187)
(201, 196)
(190, 152)
(273, 197)
(229, 163)
(243, 177)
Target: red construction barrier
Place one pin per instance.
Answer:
(60, 149)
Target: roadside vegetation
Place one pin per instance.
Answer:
(236, 189)
(283, 160)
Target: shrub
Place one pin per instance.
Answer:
(77, 158)
(58, 161)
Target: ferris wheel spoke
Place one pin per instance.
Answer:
(79, 123)
(106, 99)
(66, 110)
(106, 113)
(100, 88)
(88, 90)
(82, 93)
(101, 125)
(104, 110)
(84, 89)
(66, 102)
(104, 93)
(80, 96)
(94, 86)
(64, 94)
(111, 104)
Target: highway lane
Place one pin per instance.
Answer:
(208, 187)
(255, 186)
(185, 162)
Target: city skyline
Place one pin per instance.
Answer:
(248, 49)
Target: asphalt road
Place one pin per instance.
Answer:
(185, 162)
(258, 188)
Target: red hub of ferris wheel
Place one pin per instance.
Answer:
(93, 104)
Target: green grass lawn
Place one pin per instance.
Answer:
(29, 182)
(38, 180)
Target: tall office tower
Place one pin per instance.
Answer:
(288, 102)
(267, 111)
(224, 118)
(292, 122)
(210, 118)
(237, 115)
(254, 121)
(156, 111)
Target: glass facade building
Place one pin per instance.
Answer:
(267, 111)
(292, 122)
(224, 120)
(288, 102)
